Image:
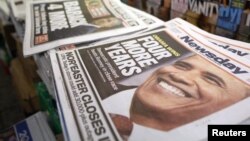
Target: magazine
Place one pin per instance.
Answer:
(178, 8)
(238, 49)
(166, 84)
(49, 24)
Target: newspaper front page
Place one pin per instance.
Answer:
(50, 24)
(167, 84)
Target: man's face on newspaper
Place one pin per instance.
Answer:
(108, 22)
(185, 91)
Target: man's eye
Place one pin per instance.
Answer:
(182, 66)
(213, 81)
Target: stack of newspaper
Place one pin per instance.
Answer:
(141, 81)
(170, 83)
(113, 19)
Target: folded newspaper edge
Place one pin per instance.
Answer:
(68, 94)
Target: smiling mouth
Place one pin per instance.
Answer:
(172, 89)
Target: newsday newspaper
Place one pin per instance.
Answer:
(233, 47)
(168, 84)
(49, 24)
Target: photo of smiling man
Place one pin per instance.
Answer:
(177, 94)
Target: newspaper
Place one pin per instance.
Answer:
(238, 49)
(169, 83)
(33, 128)
(4, 10)
(49, 24)
(44, 70)
(152, 22)
(17, 7)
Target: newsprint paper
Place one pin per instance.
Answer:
(167, 84)
(50, 24)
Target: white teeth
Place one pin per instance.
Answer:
(171, 89)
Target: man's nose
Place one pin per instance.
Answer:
(183, 77)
